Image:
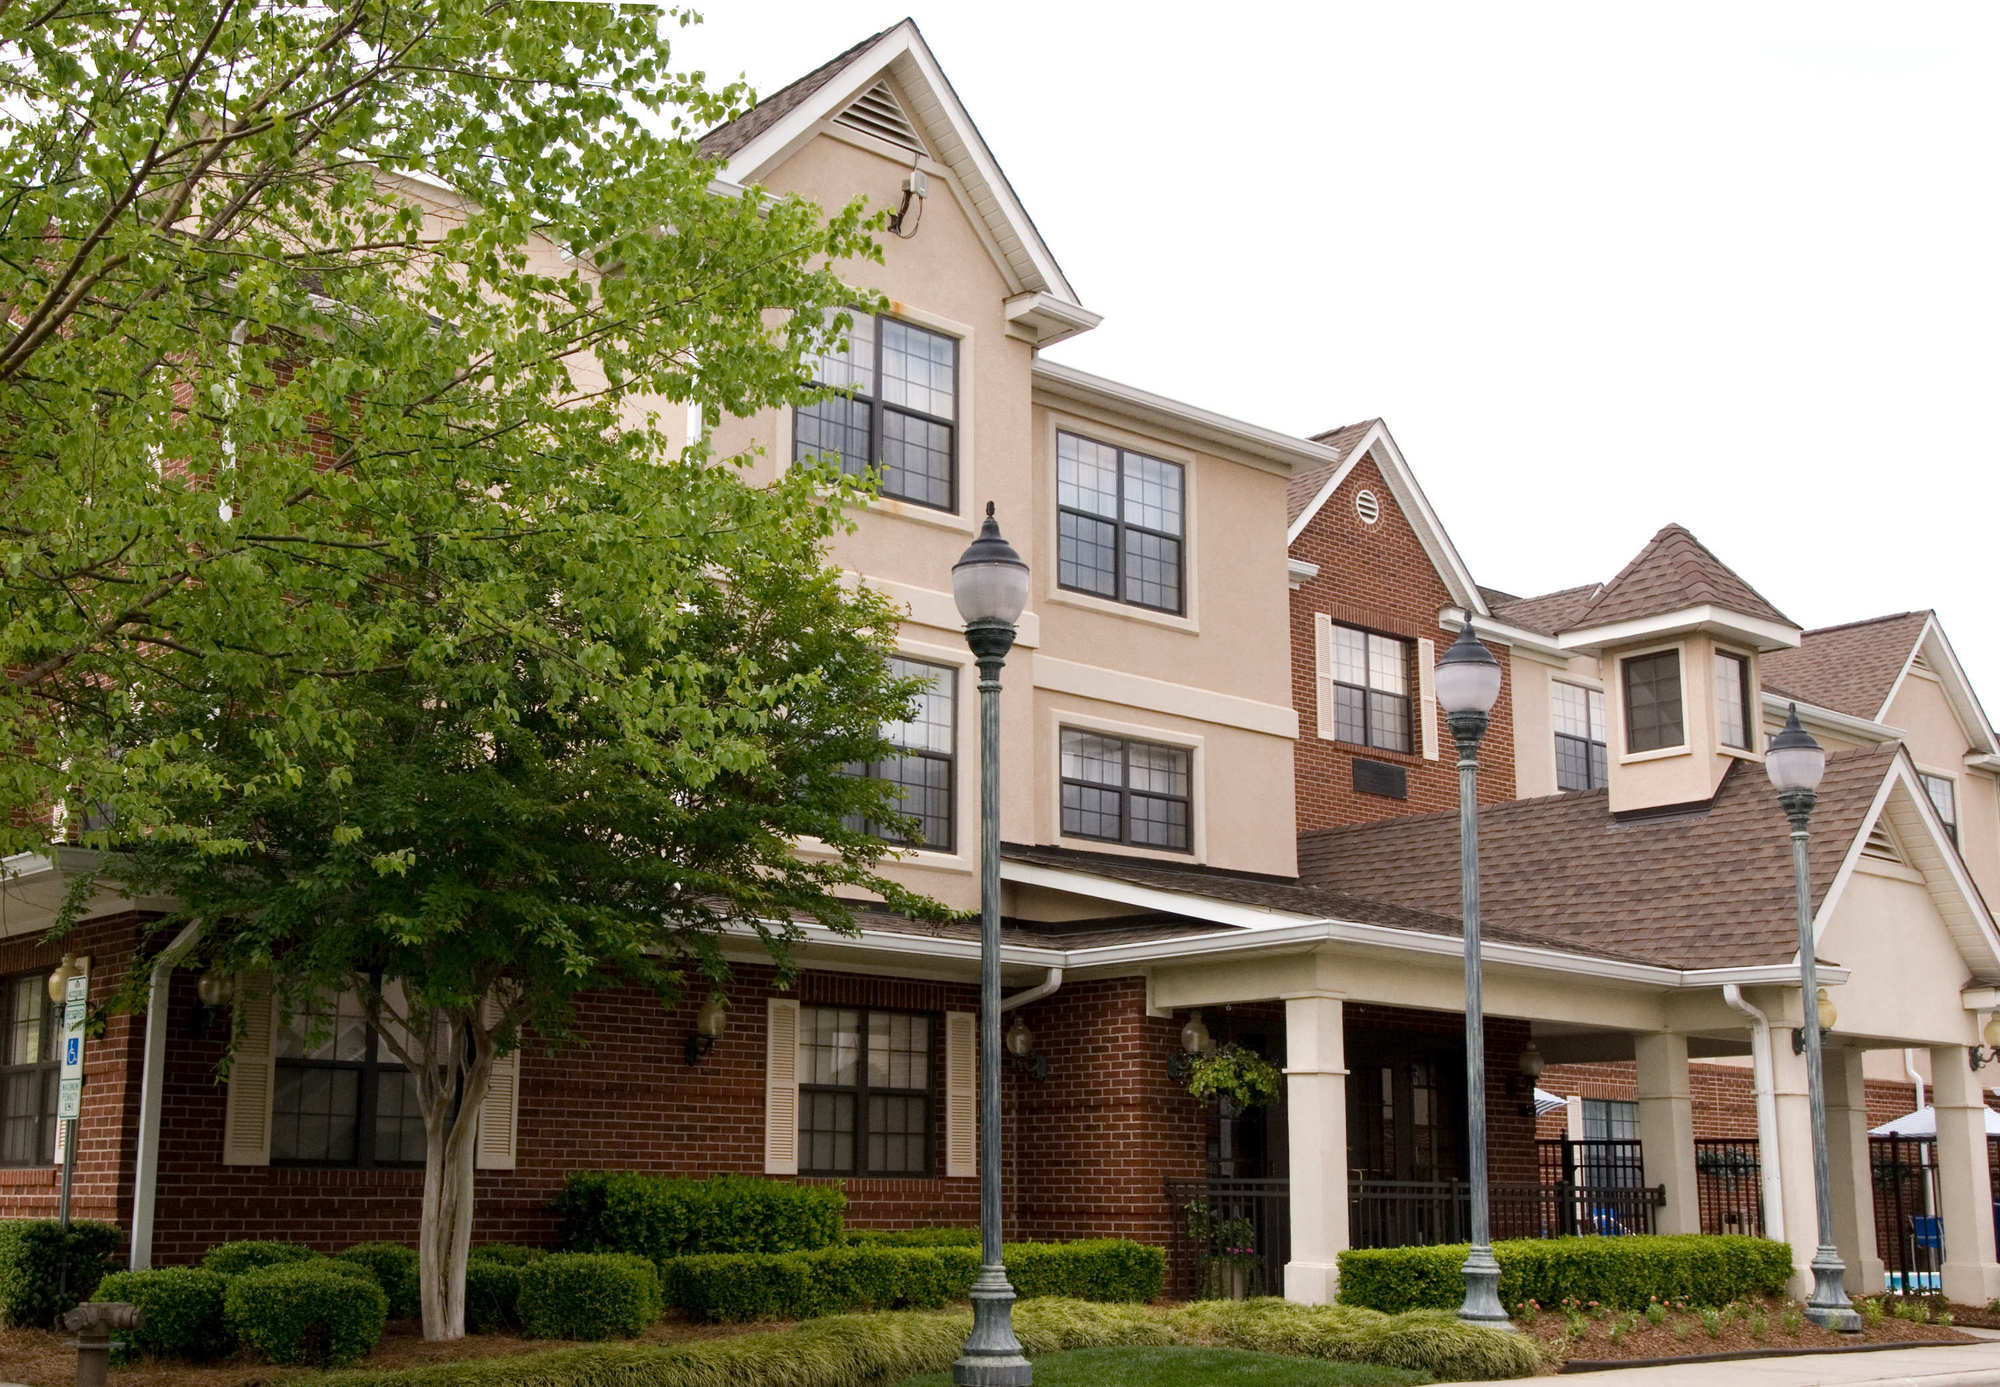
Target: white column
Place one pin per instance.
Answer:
(1788, 1084)
(1316, 1103)
(1666, 1128)
(1847, 1166)
(1965, 1192)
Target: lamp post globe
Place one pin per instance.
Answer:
(1467, 679)
(990, 585)
(1795, 762)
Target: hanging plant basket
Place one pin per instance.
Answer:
(1234, 1075)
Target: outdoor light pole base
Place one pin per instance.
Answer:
(1829, 1307)
(1482, 1290)
(992, 1356)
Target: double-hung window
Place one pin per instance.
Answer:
(1943, 791)
(1653, 701)
(921, 768)
(1119, 524)
(29, 1068)
(1371, 689)
(1124, 791)
(1732, 700)
(339, 1097)
(864, 1092)
(900, 409)
(1580, 747)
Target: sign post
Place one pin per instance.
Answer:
(69, 1105)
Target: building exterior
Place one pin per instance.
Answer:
(1226, 800)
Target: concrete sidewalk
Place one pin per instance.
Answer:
(1948, 1366)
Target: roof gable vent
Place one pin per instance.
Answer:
(1882, 845)
(877, 112)
(1919, 665)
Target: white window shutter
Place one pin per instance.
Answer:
(500, 1111)
(781, 1086)
(961, 1094)
(1323, 673)
(1427, 698)
(246, 1122)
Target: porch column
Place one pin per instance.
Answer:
(1316, 1100)
(1790, 1097)
(1851, 1185)
(1666, 1128)
(1965, 1191)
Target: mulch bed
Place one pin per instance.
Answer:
(38, 1358)
(1683, 1335)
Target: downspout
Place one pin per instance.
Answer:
(1034, 994)
(1771, 1184)
(1923, 1152)
(146, 1174)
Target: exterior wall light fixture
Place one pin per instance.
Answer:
(1982, 1056)
(1827, 1016)
(212, 992)
(1021, 1050)
(708, 1024)
(1195, 1040)
(59, 978)
(1530, 1074)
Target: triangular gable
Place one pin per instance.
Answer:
(1926, 846)
(926, 99)
(1935, 654)
(1416, 507)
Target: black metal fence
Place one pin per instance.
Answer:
(1729, 1189)
(1909, 1232)
(1231, 1238)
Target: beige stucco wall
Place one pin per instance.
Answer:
(1690, 773)
(1905, 972)
(1216, 679)
(1534, 717)
(1938, 745)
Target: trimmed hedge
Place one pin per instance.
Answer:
(802, 1285)
(44, 1271)
(183, 1310)
(399, 1271)
(318, 1314)
(1624, 1273)
(659, 1218)
(492, 1295)
(233, 1259)
(588, 1295)
(510, 1253)
(912, 1237)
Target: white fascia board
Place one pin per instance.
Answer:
(1076, 882)
(1043, 319)
(1765, 635)
(1258, 446)
(1517, 638)
(1333, 482)
(1983, 761)
(1958, 690)
(1298, 573)
(20, 865)
(1843, 724)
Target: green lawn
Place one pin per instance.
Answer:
(1194, 1367)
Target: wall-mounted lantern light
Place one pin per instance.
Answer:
(1827, 1016)
(1020, 1044)
(708, 1024)
(212, 991)
(59, 978)
(1982, 1057)
(1530, 1067)
(1195, 1040)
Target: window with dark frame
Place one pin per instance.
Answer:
(865, 1102)
(1732, 700)
(1943, 791)
(1371, 689)
(1120, 524)
(338, 1097)
(1122, 791)
(29, 1070)
(922, 770)
(900, 409)
(1580, 746)
(1653, 701)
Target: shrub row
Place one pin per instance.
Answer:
(866, 1350)
(911, 1237)
(801, 1285)
(45, 1271)
(660, 1219)
(318, 1312)
(1623, 1273)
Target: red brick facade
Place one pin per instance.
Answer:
(1724, 1096)
(1378, 577)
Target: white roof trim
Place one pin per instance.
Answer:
(1516, 638)
(1841, 724)
(1958, 689)
(947, 128)
(1706, 616)
(1274, 451)
(1402, 481)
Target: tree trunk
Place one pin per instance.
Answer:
(450, 1092)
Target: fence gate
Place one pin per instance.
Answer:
(1909, 1233)
(1729, 1190)
(1231, 1237)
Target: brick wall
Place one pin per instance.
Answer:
(1724, 1096)
(1379, 577)
(1510, 1134)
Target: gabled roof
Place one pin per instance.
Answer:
(771, 130)
(1673, 572)
(1851, 668)
(1709, 888)
(1549, 613)
(1371, 437)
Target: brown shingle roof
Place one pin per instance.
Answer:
(1547, 614)
(1303, 486)
(1706, 889)
(1849, 668)
(1673, 571)
(727, 138)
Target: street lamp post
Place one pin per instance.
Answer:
(990, 583)
(1468, 681)
(1795, 763)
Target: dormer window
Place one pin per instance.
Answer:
(1653, 702)
(1732, 700)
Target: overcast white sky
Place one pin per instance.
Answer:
(1600, 267)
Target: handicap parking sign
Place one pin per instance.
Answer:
(73, 1051)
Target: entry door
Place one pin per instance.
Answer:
(1402, 1116)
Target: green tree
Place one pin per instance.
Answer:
(350, 566)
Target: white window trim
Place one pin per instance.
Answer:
(1686, 747)
(1057, 421)
(1575, 681)
(1754, 727)
(1056, 719)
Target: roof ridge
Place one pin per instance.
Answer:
(1868, 621)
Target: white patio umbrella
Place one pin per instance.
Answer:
(1923, 1123)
